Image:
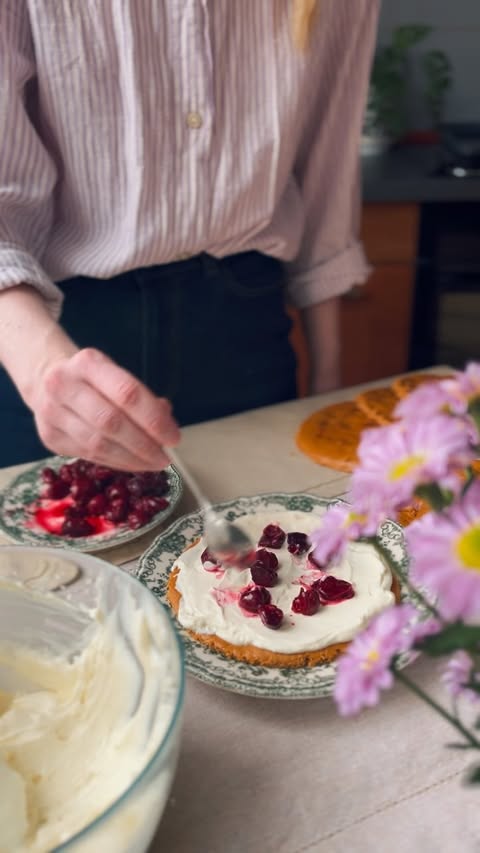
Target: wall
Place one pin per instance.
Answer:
(457, 32)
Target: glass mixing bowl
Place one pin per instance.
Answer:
(98, 597)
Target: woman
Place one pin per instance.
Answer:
(166, 168)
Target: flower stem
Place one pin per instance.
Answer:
(413, 591)
(404, 679)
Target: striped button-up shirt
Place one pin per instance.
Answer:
(139, 132)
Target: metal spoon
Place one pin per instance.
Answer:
(225, 541)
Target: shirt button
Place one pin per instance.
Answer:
(194, 120)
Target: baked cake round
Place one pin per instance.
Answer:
(285, 610)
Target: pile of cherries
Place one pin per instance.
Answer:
(91, 492)
(264, 571)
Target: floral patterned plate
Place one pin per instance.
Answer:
(23, 491)
(211, 666)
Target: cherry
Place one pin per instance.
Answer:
(265, 558)
(135, 503)
(89, 470)
(152, 504)
(97, 490)
(66, 473)
(263, 576)
(97, 505)
(117, 510)
(76, 527)
(159, 482)
(331, 590)
(102, 475)
(56, 490)
(297, 543)
(79, 466)
(137, 485)
(307, 602)
(271, 615)
(149, 504)
(254, 597)
(74, 511)
(115, 491)
(137, 519)
(82, 488)
(141, 505)
(272, 536)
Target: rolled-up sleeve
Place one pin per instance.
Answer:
(331, 258)
(27, 172)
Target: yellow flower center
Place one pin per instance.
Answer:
(354, 516)
(406, 466)
(468, 548)
(370, 659)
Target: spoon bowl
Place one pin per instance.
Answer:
(225, 540)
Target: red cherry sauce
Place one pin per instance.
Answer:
(50, 515)
(226, 596)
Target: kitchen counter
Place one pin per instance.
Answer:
(271, 776)
(404, 174)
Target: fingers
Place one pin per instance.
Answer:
(100, 422)
(73, 439)
(152, 414)
(90, 407)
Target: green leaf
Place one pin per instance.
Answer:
(435, 497)
(409, 35)
(473, 777)
(477, 723)
(474, 411)
(459, 746)
(438, 68)
(450, 639)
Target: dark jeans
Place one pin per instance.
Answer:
(211, 335)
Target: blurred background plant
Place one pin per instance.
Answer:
(387, 114)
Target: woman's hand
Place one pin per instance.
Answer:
(83, 403)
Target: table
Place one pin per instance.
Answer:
(278, 776)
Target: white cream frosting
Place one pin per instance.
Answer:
(43, 573)
(77, 727)
(207, 606)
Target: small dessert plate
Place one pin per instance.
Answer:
(19, 499)
(216, 669)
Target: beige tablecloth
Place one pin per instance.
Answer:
(265, 776)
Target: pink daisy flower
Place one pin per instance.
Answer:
(396, 459)
(448, 396)
(364, 670)
(465, 388)
(425, 402)
(445, 556)
(340, 525)
(457, 673)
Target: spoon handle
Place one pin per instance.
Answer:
(202, 501)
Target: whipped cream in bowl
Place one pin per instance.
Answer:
(91, 696)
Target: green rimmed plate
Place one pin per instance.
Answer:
(23, 491)
(211, 666)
